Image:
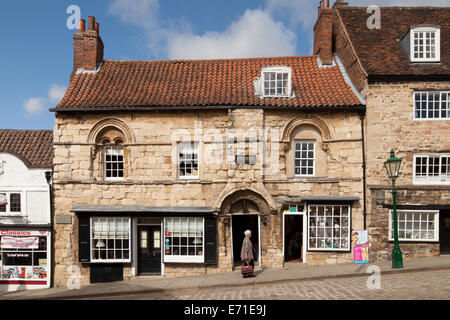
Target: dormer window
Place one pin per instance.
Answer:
(425, 44)
(276, 81)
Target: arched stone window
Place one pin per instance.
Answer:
(110, 138)
(306, 151)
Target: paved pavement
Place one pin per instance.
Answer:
(425, 285)
(292, 272)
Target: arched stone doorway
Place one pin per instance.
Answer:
(240, 211)
(245, 216)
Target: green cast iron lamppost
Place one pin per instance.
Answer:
(392, 166)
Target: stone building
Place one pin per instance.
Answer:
(160, 166)
(26, 161)
(398, 58)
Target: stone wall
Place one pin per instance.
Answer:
(390, 125)
(151, 173)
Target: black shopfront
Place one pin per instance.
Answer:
(140, 241)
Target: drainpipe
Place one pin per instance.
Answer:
(48, 177)
(361, 117)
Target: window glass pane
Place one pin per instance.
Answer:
(114, 162)
(187, 238)
(15, 203)
(4, 201)
(304, 158)
(329, 224)
(188, 160)
(414, 225)
(110, 239)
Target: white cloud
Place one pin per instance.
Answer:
(254, 34)
(34, 105)
(257, 32)
(298, 11)
(139, 12)
(56, 93)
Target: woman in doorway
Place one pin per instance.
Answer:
(247, 249)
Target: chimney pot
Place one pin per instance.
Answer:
(97, 27)
(82, 26)
(91, 23)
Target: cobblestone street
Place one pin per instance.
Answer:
(418, 285)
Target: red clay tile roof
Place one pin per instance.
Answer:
(198, 83)
(34, 147)
(381, 53)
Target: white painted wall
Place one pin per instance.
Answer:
(32, 185)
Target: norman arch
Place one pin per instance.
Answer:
(306, 130)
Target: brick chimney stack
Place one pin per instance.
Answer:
(323, 33)
(88, 46)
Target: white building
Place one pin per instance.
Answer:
(26, 158)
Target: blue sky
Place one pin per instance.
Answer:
(36, 51)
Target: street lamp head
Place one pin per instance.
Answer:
(392, 166)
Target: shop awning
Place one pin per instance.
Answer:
(330, 198)
(142, 210)
(290, 199)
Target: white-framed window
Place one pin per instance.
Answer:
(114, 163)
(415, 225)
(110, 239)
(329, 227)
(10, 202)
(425, 44)
(432, 105)
(304, 157)
(276, 81)
(431, 169)
(184, 240)
(188, 160)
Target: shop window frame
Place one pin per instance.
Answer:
(92, 239)
(413, 212)
(32, 252)
(349, 227)
(169, 258)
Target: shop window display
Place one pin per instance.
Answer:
(24, 258)
(183, 240)
(328, 227)
(110, 239)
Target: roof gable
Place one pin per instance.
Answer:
(382, 52)
(33, 147)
